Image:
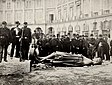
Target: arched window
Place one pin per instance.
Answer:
(77, 29)
(50, 30)
(64, 30)
(70, 28)
(94, 25)
(86, 29)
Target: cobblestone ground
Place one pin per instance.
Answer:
(93, 75)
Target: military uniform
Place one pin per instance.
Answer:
(16, 34)
(78, 46)
(5, 39)
(66, 44)
(73, 45)
(25, 42)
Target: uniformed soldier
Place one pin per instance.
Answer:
(16, 34)
(59, 45)
(66, 44)
(73, 44)
(78, 45)
(25, 41)
(5, 39)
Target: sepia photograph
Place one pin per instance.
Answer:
(55, 42)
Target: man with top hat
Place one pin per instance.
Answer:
(25, 41)
(5, 39)
(16, 34)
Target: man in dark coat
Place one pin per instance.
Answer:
(73, 43)
(59, 45)
(85, 45)
(5, 39)
(102, 48)
(16, 34)
(25, 41)
(66, 44)
(92, 44)
(78, 45)
(54, 44)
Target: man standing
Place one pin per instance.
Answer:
(103, 48)
(25, 41)
(92, 45)
(16, 34)
(73, 42)
(5, 39)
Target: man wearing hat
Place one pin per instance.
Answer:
(16, 34)
(73, 44)
(5, 39)
(103, 48)
(92, 44)
(25, 41)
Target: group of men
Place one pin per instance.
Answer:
(89, 47)
(20, 38)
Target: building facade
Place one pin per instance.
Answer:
(73, 16)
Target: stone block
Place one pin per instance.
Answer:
(7, 68)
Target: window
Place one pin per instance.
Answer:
(29, 16)
(38, 16)
(106, 12)
(70, 28)
(77, 29)
(9, 5)
(18, 16)
(59, 14)
(78, 2)
(28, 4)
(65, 14)
(78, 9)
(18, 4)
(94, 25)
(9, 16)
(106, 4)
(86, 15)
(71, 12)
(51, 17)
(105, 25)
(38, 3)
(95, 14)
